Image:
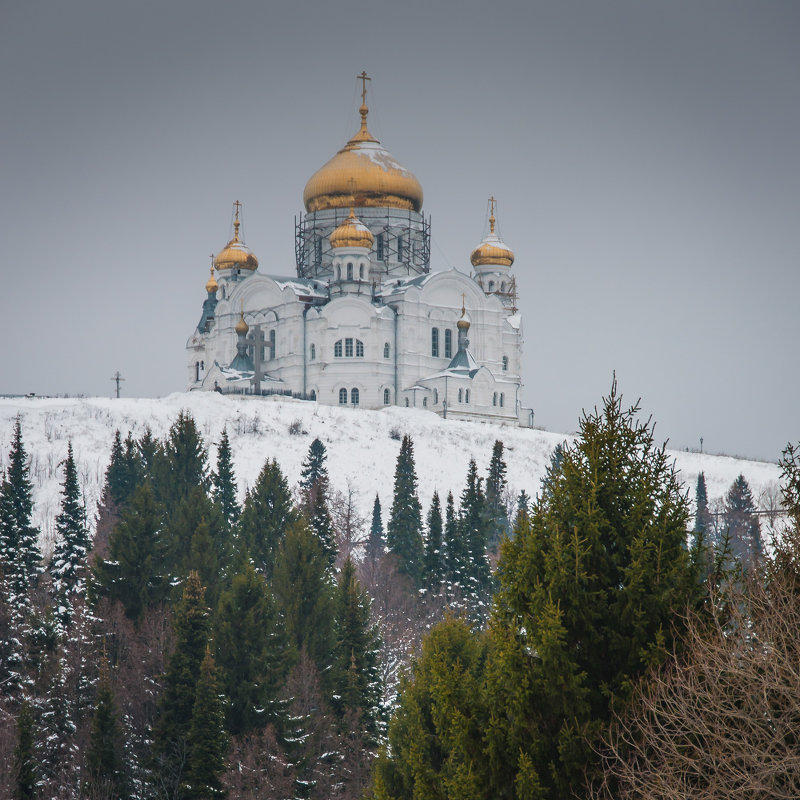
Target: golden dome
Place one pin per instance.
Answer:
(241, 326)
(352, 233)
(463, 323)
(492, 250)
(363, 173)
(235, 254)
(211, 283)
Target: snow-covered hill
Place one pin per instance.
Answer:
(361, 450)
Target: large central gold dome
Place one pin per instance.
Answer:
(363, 173)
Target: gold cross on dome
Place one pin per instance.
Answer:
(237, 205)
(491, 205)
(363, 77)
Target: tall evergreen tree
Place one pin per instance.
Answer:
(375, 542)
(314, 485)
(176, 704)
(741, 522)
(523, 508)
(19, 548)
(180, 466)
(404, 532)
(147, 449)
(496, 484)
(68, 564)
(589, 586)
(267, 513)
(104, 755)
(252, 653)
(24, 776)
(434, 544)
(313, 469)
(207, 741)
(702, 517)
(125, 470)
(455, 547)
(475, 523)
(224, 482)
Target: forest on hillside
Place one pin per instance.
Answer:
(286, 647)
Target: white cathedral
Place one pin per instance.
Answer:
(365, 322)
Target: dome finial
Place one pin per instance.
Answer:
(491, 214)
(463, 323)
(364, 110)
(241, 326)
(236, 205)
(211, 284)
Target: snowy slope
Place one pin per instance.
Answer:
(361, 452)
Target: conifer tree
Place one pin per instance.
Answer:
(252, 653)
(69, 557)
(496, 484)
(180, 466)
(523, 507)
(176, 704)
(207, 741)
(474, 524)
(24, 776)
(404, 532)
(147, 449)
(702, 517)
(456, 553)
(224, 482)
(304, 589)
(314, 485)
(103, 757)
(19, 548)
(741, 522)
(434, 544)
(267, 513)
(125, 470)
(375, 542)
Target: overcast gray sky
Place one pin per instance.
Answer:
(644, 156)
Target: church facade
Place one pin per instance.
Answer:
(365, 322)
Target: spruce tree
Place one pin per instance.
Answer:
(455, 547)
(68, 564)
(267, 513)
(180, 466)
(125, 470)
(207, 741)
(496, 485)
(313, 469)
(24, 775)
(434, 544)
(314, 486)
(252, 653)
(474, 524)
(104, 756)
(523, 507)
(375, 542)
(702, 517)
(147, 449)
(741, 522)
(404, 532)
(177, 700)
(224, 482)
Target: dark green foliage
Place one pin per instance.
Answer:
(702, 517)
(147, 448)
(24, 777)
(523, 507)
(179, 467)
(474, 525)
(125, 470)
(553, 468)
(177, 700)
(742, 525)
(496, 485)
(252, 653)
(134, 573)
(456, 551)
(434, 544)
(589, 587)
(19, 548)
(404, 532)
(304, 590)
(68, 564)
(207, 741)
(357, 678)
(267, 513)
(375, 542)
(314, 484)
(103, 758)
(313, 470)
(224, 482)
(790, 483)
(435, 746)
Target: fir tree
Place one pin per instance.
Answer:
(147, 450)
(19, 548)
(125, 470)
(404, 532)
(552, 471)
(180, 466)
(702, 517)
(314, 485)
(434, 544)
(456, 552)
(252, 652)
(24, 776)
(176, 704)
(69, 557)
(313, 470)
(741, 522)
(523, 508)
(496, 485)
(103, 757)
(207, 741)
(267, 513)
(474, 524)
(224, 482)
(375, 542)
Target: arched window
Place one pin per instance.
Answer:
(436, 397)
(349, 270)
(505, 363)
(448, 343)
(502, 287)
(338, 273)
(386, 397)
(359, 348)
(348, 347)
(502, 399)
(424, 402)
(312, 395)
(313, 351)
(491, 286)
(435, 342)
(460, 395)
(386, 350)
(361, 272)
(342, 397)
(494, 399)
(337, 349)
(466, 396)
(272, 343)
(197, 370)
(354, 396)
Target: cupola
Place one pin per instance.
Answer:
(235, 254)
(352, 233)
(492, 251)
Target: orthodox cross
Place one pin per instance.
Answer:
(255, 338)
(117, 378)
(237, 205)
(363, 77)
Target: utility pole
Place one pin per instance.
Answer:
(117, 377)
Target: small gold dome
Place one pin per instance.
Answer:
(211, 283)
(241, 326)
(463, 323)
(492, 250)
(352, 233)
(363, 173)
(235, 254)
